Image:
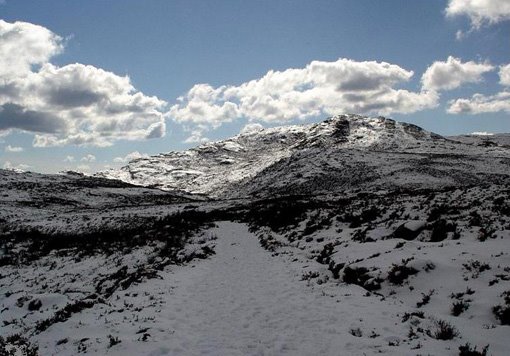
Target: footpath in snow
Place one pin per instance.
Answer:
(243, 301)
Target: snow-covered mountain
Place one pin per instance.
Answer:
(330, 156)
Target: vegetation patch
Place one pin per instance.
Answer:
(443, 331)
(468, 350)
(400, 273)
(502, 312)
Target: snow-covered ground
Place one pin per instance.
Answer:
(355, 236)
(245, 300)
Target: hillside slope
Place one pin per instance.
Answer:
(343, 152)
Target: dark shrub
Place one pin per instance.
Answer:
(65, 313)
(443, 331)
(361, 236)
(476, 267)
(34, 304)
(408, 316)
(440, 230)
(425, 298)
(356, 275)
(370, 214)
(360, 277)
(113, 340)
(399, 273)
(502, 312)
(436, 212)
(277, 214)
(484, 234)
(325, 254)
(459, 308)
(467, 350)
(335, 268)
(475, 219)
(402, 232)
(356, 332)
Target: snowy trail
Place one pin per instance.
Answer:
(243, 301)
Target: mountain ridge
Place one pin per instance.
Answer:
(347, 146)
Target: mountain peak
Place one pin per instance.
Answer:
(214, 168)
(351, 130)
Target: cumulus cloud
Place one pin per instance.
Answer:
(504, 75)
(74, 104)
(251, 128)
(15, 167)
(88, 158)
(197, 136)
(24, 45)
(10, 148)
(69, 159)
(453, 73)
(480, 11)
(320, 87)
(479, 104)
(130, 156)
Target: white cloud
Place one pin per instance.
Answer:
(453, 73)
(16, 167)
(479, 104)
(10, 148)
(74, 104)
(88, 158)
(460, 35)
(321, 87)
(480, 11)
(23, 45)
(69, 159)
(196, 137)
(504, 75)
(251, 128)
(130, 156)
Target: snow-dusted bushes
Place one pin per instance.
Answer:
(399, 273)
(25, 245)
(443, 331)
(65, 313)
(17, 344)
(459, 307)
(278, 214)
(361, 276)
(468, 350)
(502, 312)
(425, 298)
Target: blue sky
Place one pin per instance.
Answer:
(168, 47)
